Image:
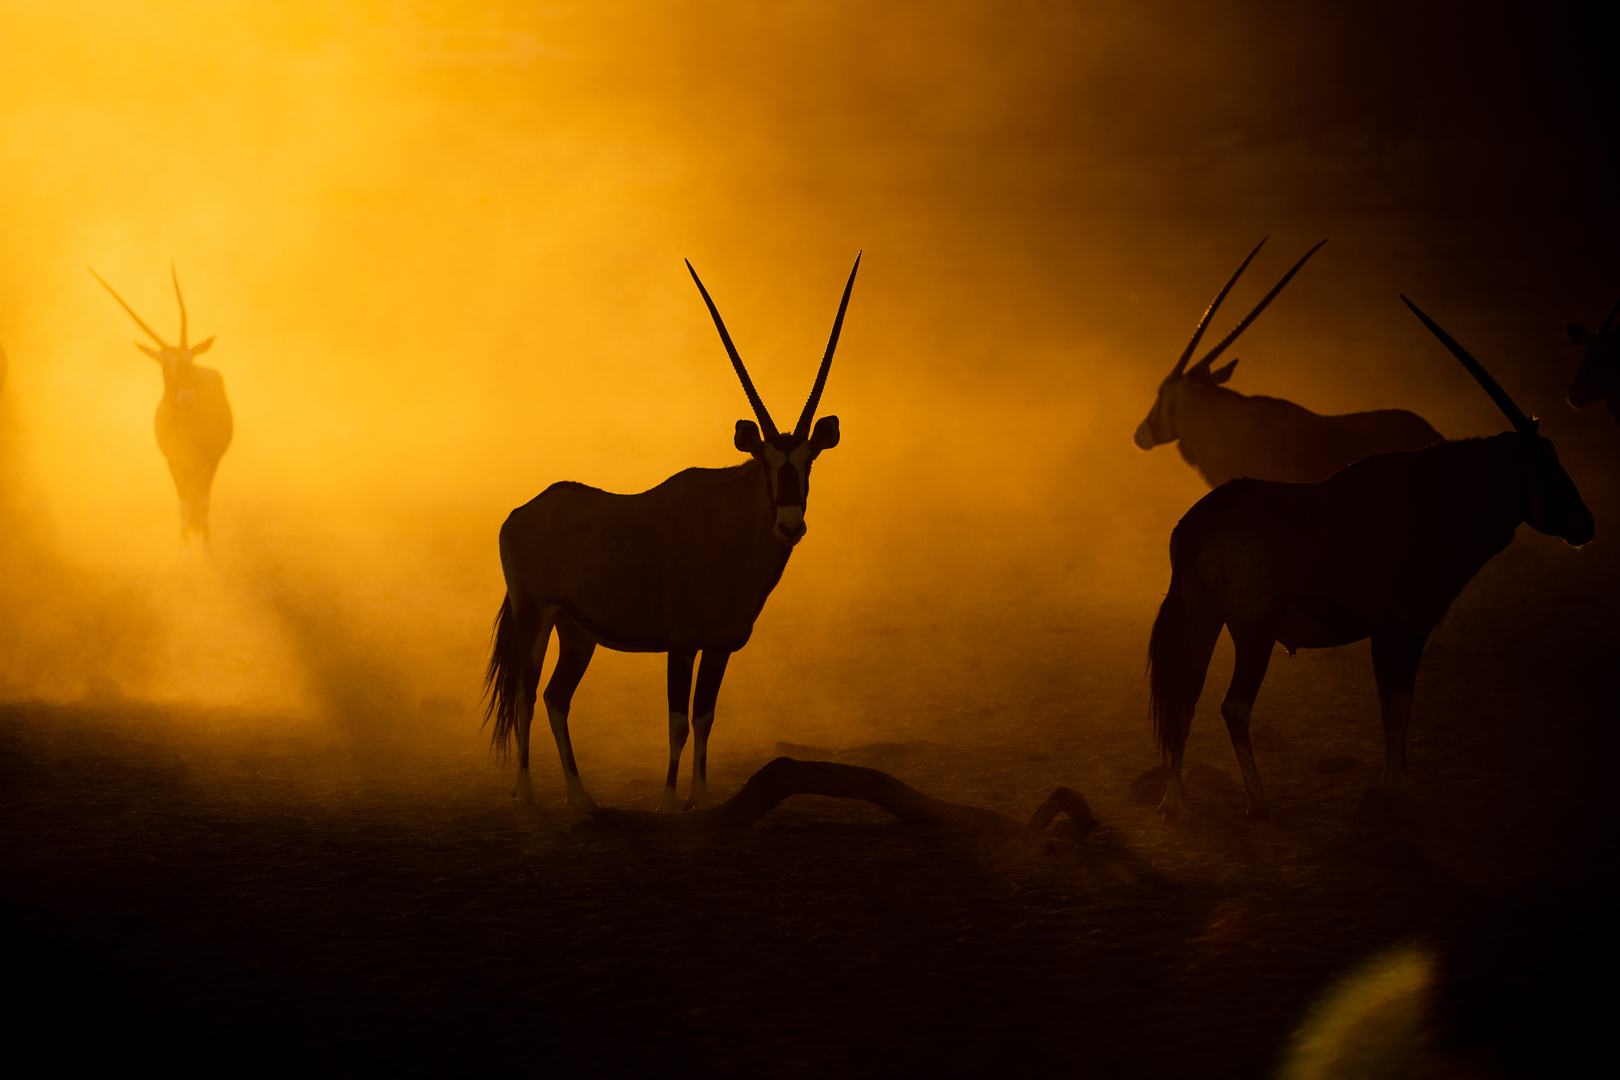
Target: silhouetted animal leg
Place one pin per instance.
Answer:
(1395, 664)
(710, 673)
(1253, 657)
(574, 651)
(1202, 630)
(523, 788)
(680, 695)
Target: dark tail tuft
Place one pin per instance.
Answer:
(503, 679)
(1172, 684)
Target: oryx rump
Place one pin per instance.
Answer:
(1224, 434)
(1379, 550)
(193, 421)
(1598, 378)
(683, 568)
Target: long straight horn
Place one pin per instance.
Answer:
(1477, 370)
(1209, 312)
(802, 428)
(176, 275)
(127, 308)
(1610, 320)
(1258, 308)
(736, 361)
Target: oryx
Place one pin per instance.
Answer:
(683, 568)
(193, 421)
(1599, 375)
(1224, 434)
(1378, 550)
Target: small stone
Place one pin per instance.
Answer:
(1148, 789)
(1268, 740)
(1336, 763)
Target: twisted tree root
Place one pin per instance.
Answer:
(786, 776)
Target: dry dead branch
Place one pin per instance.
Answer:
(786, 776)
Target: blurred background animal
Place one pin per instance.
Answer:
(683, 568)
(193, 422)
(1598, 378)
(1224, 434)
(1379, 550)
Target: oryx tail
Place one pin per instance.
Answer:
(509, 660)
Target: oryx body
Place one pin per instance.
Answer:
(683, 568)
(1379, 550)
(193, 421)
(1224, 434)
(1598, 377)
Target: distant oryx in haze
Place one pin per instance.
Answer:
(1378, 550)
(683, 568)
(1224, 434)
(193, 420)
(1599, 374)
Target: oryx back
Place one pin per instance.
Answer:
(687, 565)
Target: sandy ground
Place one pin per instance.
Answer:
(224, 890)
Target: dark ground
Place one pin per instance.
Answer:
(209, 889)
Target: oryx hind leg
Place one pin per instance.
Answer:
(529, 685)
(1202, 629)
(1248, 672)
(710, 673)
(680, 695)
(1395, 663)
(574, 651)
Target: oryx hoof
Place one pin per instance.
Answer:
(1170, 815)
(1259, 813)
(669, 804)
(523, 790)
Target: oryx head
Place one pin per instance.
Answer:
(786, 457)
(1599, 374)
(1183, 382)
(1550, 502)
(178, 361)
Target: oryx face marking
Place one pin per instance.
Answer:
(788, 472)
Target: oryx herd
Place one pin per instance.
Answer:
(1320, 531)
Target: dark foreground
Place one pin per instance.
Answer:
(210, 890)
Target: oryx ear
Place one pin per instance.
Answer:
(1578, 334)
(153, 353)
(825, 436)
(1222, 373)
(747, 438)
(1198, 373)
(203, 346)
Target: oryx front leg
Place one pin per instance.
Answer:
(680, 692)
(710, 674)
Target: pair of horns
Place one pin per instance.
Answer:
(1203, 324)
(1520, 421)
(152, 333)
(802, 428)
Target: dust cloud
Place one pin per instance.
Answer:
(441, 246)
